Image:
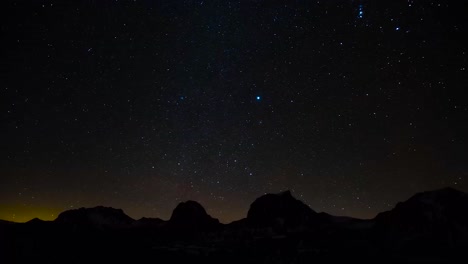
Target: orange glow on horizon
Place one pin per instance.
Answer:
(24, 213)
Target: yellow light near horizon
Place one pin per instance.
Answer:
(22, 213)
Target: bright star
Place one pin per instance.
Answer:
(258, 98)
(361, 11)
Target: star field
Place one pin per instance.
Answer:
(352, 105)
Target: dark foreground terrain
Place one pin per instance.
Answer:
(430, 226)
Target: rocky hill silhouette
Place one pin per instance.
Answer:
(281, 210)
(424, 211)
(100, 217)
(436, 220)
(191, 216)
(278, 229)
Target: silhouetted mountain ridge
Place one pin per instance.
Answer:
(191, 215)
(442, 212)
(278, 228)
(280, 210)
(98, 216)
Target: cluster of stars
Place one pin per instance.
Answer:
(152, 106)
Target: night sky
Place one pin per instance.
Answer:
(352, 105)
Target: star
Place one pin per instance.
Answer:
(178, 98)
(361, 11)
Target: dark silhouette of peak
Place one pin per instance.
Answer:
(99, 216)
(5, 222)
(439, 195)
(278, 228)
(441, 214)
(35, 221)
(280, 210)
(192, 215)
(431, 206)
